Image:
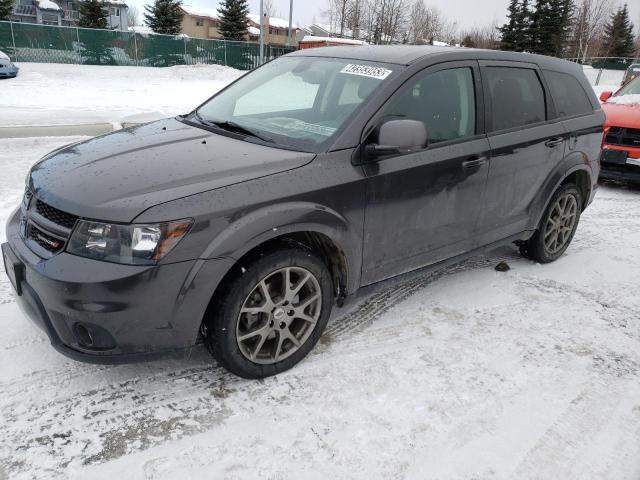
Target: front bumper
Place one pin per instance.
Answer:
(625, 171)
(102, 312)
(8, 72)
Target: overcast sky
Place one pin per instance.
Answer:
(466, 12)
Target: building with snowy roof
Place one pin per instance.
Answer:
(201, 22)
(66, 13)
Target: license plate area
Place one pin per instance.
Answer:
(13, 267)
(617, 157)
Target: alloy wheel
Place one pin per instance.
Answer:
(279, 315)
(561, 223)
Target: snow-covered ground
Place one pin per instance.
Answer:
(465, 373)
(47, 93)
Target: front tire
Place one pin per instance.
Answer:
(271, 314)
(557, 226)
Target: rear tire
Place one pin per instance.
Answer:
(271, 313)
(557, 226)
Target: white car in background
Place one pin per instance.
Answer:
(7, 68)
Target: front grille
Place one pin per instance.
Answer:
(44, 238)
(46, 241)
(628, 137)
(67, 220)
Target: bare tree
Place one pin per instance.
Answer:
(426, 24)
(355, 17)
(588, 26)
(133, 15)
(270, 9)
(482, 37)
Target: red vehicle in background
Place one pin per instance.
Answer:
(621, 148)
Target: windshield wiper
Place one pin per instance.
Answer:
(233, 127)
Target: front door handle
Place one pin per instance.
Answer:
(554, 142)
(474, 162)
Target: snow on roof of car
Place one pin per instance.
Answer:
(211, 13)
(347, 41)
(273, 21)
(47, 5)
(4, 56)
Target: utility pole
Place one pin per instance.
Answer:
(261, 32)
(290, 22)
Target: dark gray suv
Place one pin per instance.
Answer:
(242, 223)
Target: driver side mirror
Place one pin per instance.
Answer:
(396, 137)
(604, 96)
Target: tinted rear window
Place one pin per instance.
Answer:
(568, 95)
(517, 97)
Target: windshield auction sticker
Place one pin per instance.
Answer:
(366, 71)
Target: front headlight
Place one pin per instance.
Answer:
(128, 244)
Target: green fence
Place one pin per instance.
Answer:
(28, 42)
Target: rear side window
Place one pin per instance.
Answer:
(517, 97)
(568, 95)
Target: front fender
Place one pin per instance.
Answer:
(272, 221)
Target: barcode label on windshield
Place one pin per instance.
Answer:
(366, 71)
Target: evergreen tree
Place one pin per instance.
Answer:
(233, 19)
(164, 16)
(93, 14)
(550, 26)
(618, 34)
(515, 33)
(508, 30)
(6, 6)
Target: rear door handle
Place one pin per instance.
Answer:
(474, 162)
(553, 142)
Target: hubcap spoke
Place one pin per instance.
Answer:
(270, 327)
(561, 223)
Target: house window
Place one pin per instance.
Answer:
(199, 22)
(117, 12)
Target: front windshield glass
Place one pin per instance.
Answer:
(299, 102)
(632, 88)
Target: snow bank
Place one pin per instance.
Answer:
(72, 94)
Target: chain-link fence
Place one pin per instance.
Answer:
(28, 42)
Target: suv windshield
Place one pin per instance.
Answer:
(298, 102)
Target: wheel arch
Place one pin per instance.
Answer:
(573, 169)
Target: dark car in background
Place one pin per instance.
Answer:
(244, 222)
(7, 68)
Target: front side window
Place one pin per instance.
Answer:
(517, 97)
(444, 101)
(568, 95)
(300, 102)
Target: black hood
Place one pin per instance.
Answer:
(117, 176)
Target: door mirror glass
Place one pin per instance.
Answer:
(604, 96)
